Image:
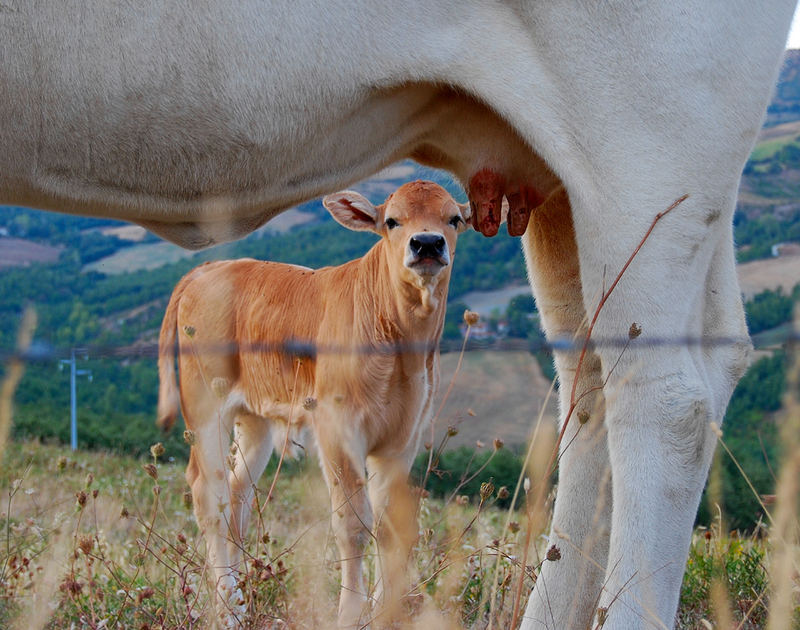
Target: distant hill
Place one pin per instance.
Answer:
(785, 105)
(15, 252)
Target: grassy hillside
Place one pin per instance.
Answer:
(495, 395)
(108, 545)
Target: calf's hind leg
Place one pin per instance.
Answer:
(206, 476)
(251, 450)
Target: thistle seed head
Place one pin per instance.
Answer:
(85, 544)
(157, 450)
(151, 470)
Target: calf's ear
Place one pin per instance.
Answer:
(352, 210)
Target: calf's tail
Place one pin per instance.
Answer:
(168, 394)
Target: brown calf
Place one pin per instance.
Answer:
(365, 391)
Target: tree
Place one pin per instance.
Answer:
(519, 314)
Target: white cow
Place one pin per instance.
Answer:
(203, 120)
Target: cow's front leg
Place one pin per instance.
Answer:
(351, 521)
(663, 392)
(567, 590)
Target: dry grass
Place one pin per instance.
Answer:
(91, 540)
(507, 387)
(94, 540)
(87, 542)
(770, 273)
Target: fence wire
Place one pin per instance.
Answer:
(43, 352)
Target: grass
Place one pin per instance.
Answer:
(113, 545)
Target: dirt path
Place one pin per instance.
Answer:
(771, 273)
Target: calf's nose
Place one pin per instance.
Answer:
(427, 245)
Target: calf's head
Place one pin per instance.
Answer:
(419, 223)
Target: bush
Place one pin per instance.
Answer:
(768, 309)
(738, 565)
(454, 471)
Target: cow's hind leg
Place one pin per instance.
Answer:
(567, 590)
(250, 452)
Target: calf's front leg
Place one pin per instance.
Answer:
(351, 523)
(394, 511)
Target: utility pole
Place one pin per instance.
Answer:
(73, 405)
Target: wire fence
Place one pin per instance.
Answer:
(40, 351)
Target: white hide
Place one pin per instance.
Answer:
(203, 120)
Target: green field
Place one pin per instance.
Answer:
(768, 148)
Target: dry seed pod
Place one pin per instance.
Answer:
(151, 470)
(553, 554)
(157, 449)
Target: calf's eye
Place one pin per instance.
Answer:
(454, 221)
(391, 223)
